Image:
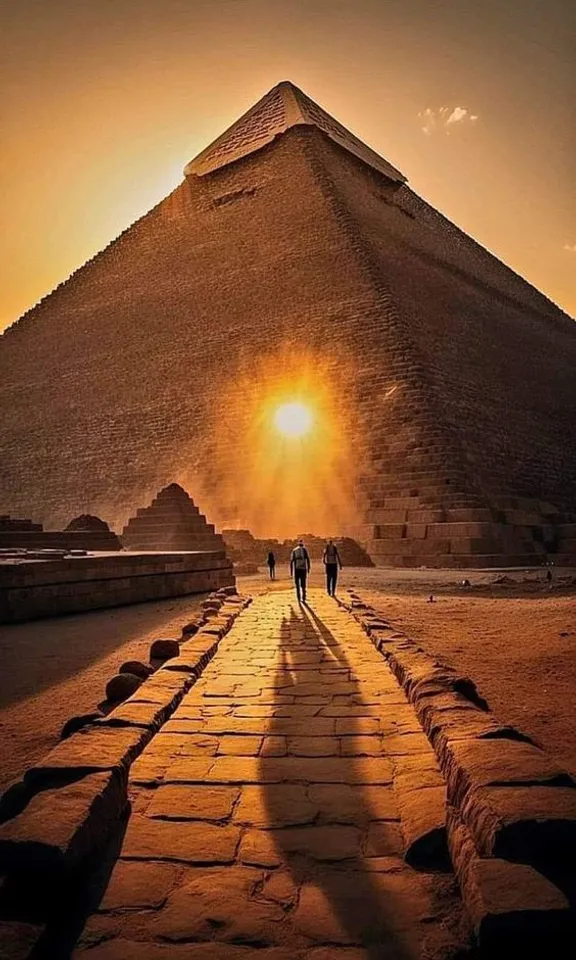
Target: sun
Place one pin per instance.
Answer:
(293, 419)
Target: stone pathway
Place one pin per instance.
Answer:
(265, 820)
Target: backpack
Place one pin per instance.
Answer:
(299, 557)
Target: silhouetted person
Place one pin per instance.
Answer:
(272, 565)
(299, 569)
(331, 560)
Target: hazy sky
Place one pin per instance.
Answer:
(104, 101)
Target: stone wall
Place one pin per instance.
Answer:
(29, 590)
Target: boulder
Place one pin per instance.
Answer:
(60, 827)
(88, 522)
(514, 910)
(137, 668)
(76, 723)
(164, 649)
(122, 686)
(189, 629)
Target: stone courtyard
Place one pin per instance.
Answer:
(266, 813)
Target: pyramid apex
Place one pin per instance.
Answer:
(173, 491)
(283, 107)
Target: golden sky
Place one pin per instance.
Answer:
(104, 102)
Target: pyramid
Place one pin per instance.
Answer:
(171, 522)
(293, 260)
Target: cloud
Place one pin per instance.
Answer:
(444, 118)
(571, 247)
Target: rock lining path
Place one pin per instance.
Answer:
(265, 819)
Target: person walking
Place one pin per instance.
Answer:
(331, 560)
(272, 565)
(299, 569)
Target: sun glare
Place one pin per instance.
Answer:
(293, 419)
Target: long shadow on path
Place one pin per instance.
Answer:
(325, 830)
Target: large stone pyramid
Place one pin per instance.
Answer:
(295, 263)
(171, 522)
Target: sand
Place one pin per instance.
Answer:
(57, 668)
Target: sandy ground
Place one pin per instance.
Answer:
(57, 668)
(517, 641)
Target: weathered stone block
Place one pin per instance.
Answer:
(423, 818)
(484, 763)
(60, 827)
(512, 907)
(90, 750)
(528, 824)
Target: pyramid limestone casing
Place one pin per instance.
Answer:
(452, 378)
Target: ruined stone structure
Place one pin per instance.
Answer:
(171, 522)
(26, 535)
(242, 547)
(289, 249)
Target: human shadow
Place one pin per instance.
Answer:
(317, 806)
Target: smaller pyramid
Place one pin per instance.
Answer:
(171, 522)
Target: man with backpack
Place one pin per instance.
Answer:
(299, 569)
(331, 560)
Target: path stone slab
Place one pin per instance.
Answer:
(313, 746)
(197, 802)
(278, 805)
(274, 747)
(330, 842)
(297, 769)
(220, 903)
(193, 842)
(342, 803)
(122, 949)
(384, 840)
(139, 886)
(240, 746)
(362, 746)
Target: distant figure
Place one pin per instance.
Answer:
(299, 569)
(272, 565)
(331, 560)
(549, 576)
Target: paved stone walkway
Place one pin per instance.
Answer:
(265, 819)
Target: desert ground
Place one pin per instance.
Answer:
(517, 640)
(57, 668)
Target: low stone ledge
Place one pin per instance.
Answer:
(423, 817)
(93, 749)
(70, 801)
(133, 713)
(512, 804)
(514, 910)
(479, 762)
(59, 827)
(522, 823)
